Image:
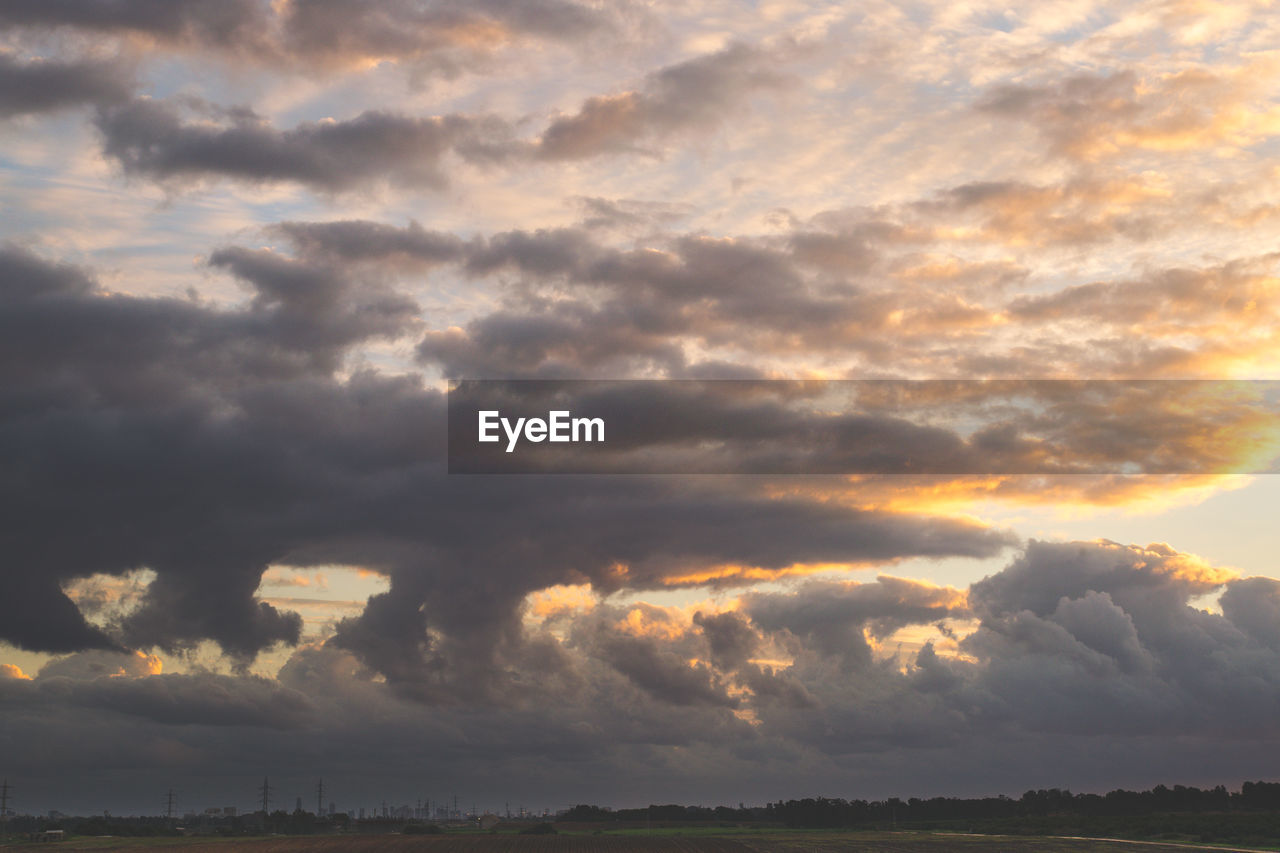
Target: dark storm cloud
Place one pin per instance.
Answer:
(151, 139)
(1087, 646)
(123, 393)
(203, 699)
(44, 85)
(694, 94)
(205, 445)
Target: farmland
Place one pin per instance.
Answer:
(749, 842)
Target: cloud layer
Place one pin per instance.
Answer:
(245, 243)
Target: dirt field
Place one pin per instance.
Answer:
(764, 842)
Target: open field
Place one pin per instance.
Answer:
(758, 842)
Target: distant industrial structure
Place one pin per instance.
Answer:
(192, 819)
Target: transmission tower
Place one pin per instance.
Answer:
(168, 806)
(4, 809)
(320, 798)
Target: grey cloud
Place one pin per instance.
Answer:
(227, 23)
(1099, 623)
(835, 618)
(443, 37)
(1098, 636)
(626, 214)
(1093, 116)
(42, 86)
(360, 240)
(207, 444)
(1253, 606)
(661, 672)
(447, 36)
(1086, 637)
(694, 94)
(1048, 572)
(314, 308)
(151, 139)
(202, 699)
(1051, 683)
(731, 639)
(98, 664)
(1164, 301)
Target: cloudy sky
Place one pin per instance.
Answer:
(244, 243)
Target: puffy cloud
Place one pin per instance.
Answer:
(1086, 646)
(8, 670)
(837, 618)
(1048, 572)
(1253, 606)
(102, 664)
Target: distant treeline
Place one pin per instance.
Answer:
(1180, 812)
(830, 812)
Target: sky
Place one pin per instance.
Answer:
(245, 244)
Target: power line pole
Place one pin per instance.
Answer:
(266, 802)
(4, 810)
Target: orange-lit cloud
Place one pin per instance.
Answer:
(560, 600)
(8, 670)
